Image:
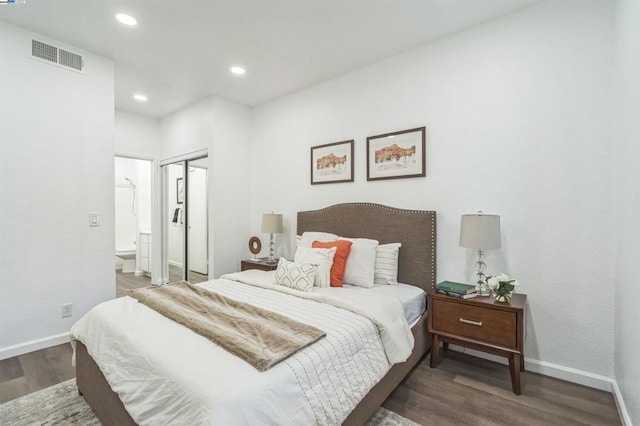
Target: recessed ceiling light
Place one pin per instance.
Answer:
(238, 70)
(126, 19)
(140, 97)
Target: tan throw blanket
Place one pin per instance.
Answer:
(261, 338)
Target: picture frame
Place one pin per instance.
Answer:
(397, 155)
(332, 162)
(180, 190)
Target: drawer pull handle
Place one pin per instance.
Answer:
(466, 321)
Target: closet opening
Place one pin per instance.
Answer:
(185, 253)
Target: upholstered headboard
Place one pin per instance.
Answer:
(415, 229)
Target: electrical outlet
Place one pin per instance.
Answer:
(67, 310)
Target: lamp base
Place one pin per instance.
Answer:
(272, 244)
(481, 284)
(482, 289)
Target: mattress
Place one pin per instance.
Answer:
(413, 298)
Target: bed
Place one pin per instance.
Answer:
(415, 230)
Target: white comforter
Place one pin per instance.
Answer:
(166, 374)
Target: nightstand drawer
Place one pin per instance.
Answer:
(488, 325)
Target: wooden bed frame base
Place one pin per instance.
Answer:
(108, 408)
(92, 385)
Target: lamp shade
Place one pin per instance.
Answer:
(480, 231)
(272, 223)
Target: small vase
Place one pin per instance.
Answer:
(501, 295)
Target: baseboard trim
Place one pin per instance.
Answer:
(622, 408)
(561, 372)
(33, 345)
(569, 374)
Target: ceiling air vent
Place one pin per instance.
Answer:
(57, 56)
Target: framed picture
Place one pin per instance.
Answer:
(397, 155)
(332, 163)
(180, 190)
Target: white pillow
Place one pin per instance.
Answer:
(323, 257)
(299, 276)
(360, 268)
(386, 267)
(309, 237)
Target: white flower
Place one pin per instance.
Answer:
(503, 277)
(515, 283)
(493, 283)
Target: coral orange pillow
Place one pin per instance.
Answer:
(343, 248)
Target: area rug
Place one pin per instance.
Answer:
(61, 405)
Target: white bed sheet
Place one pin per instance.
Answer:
(413, 298)
(165, 375)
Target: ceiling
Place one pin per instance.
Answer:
(181, 50)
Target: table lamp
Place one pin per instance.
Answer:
(271, 224)
(480, 232)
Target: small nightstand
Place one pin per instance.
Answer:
(480, 323)
(258, 264)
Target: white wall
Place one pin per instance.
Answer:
(229, 185)
(518, 118)
(137, 136)
(223, 128)
(626, 208)
(56, 166)
(187, 130)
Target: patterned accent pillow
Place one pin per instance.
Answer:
(323, 257)
(386, 269)
(299, 276)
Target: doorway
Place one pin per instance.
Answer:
(133, 212)
(185, 220)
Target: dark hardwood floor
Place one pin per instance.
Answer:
(462, 390)
(465, 390)
(129, 281)
(37, 370)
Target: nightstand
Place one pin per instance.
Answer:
(258, 264)
(482, 324)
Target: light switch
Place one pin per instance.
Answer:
(94, 219)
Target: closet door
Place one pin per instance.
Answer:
(174, 217)
(185, 242)
(197, 229)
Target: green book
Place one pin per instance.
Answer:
(459, 288)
